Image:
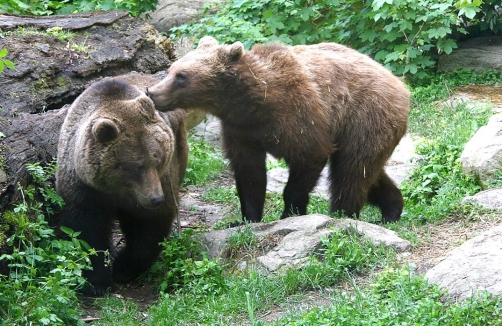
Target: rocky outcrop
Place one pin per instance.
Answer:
(170, 13)
(482, 155)
(489, 199)
(472, 267)
(478, 54)
(291, 241)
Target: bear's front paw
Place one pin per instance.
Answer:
(96, 290)
(124, 276)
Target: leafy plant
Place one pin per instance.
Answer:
(204, 162)
(43, 271)
(5, 62)
(404, 35)
(50, 7)
(186, 268)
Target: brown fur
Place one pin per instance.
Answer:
(304, 104)
(119, 158)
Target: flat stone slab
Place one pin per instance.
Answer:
(474, 266)
(297, 238)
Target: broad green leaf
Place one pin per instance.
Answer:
(3, 53)
(447, 45)
(468, 12)
(368, 35)
(9, 64)
(413, 68)
(380, 55)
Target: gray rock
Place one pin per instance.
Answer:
(491, 199)
(482, 155)
(170, 13)
(474, 266)
(297, 238)
(209, 130)
(478, 54)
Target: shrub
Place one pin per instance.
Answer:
(404, 35)
(43, 271)
(50, 7)
(185, 268)
(204, 162)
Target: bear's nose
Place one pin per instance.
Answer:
(157, 201)
(148, 93)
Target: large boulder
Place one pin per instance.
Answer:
(171, 13)
(478, 54)
(489, 199)
(290, 242)
(474, 266)
(482, 155)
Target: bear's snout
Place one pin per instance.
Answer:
(158, 94)
(157, 201)
(149, 94)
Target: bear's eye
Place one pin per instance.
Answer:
(181, 77)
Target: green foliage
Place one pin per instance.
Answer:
(343, 253)
(185, 268)
(404, 35)
(439, 176)
(50, 7)
(250, 293)
(241, 242)
(204, 162)
(44, 271)
(397, 297)
(437, 184)
(4, 62)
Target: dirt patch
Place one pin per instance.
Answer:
(482, 92)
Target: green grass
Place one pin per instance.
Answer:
(397, 297)
(344, 254)
(204, 162)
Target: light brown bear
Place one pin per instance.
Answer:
(120, 159)
(306, 104)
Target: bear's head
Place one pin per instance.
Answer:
(122, 144)
(195, 80)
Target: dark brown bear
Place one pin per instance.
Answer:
(120, 159)
(306, 104)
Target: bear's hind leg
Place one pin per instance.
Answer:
(302, 180)
(385, 195)
(142, 238)
(347, 186)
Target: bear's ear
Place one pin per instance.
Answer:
(207, 42)
(105, 130)
(233, 52)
